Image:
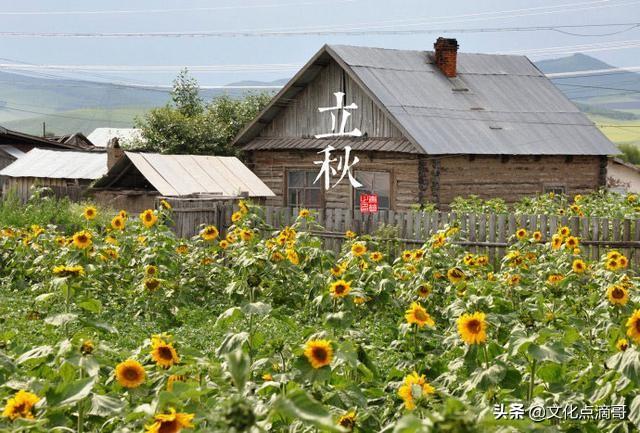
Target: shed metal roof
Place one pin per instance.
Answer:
(183, 175)
(497, 104)
(379, 144)
(11, 151)
(58, 164)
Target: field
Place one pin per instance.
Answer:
(111, 324)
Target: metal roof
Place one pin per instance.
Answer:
(183, 175)
(58, 164)
(497, 104)
(379, 144)
(11, 151)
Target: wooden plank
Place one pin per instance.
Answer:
(492, 237)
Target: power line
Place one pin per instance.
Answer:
(250, 33)
(6, 107)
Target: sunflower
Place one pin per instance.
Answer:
(407, 255)
(236, 216)
(579, 266)
(151, 270)
(318, 352)
(358, 249)
(413, 388)
(418, 254)
(537, 236)
(424, 290)
(521, 234)
(172, 422)
(340, 288)
(123, 213)
(244, 208)
(231, 238)
(571, 242)
(151, 284)
(418, 315)
(564, 231)
(513, 280)
(618, 295)
(20, 405)
(130, 373)
(148, 218)
(473, 328)
(455, 275)
(613, 255)
(165, 204)
(87, 347)
(111, 240)
(632, 198)
(304, 213)
(350, 235)
(338, 270)
(117, 223)
(633, 326)
(223, 244)
(612, 264)
(89, 213)
(376, 256)
(623, 262)
(556, 241)
(173, 379)
(182, 249)
(622, 344)
(109, 253)
(348, 421)
(438, 240)
(163, 353)
(292, 256)
(209, 233)
(469, 260)
(277, 256)
(68, 270)
(246, 235)
(482, 260)
(82, 239)
(555, 278)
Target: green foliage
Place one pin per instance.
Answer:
(630, 153)
(188, 125)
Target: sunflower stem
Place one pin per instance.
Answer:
(532, 380)
(486, 356)
(81, 411)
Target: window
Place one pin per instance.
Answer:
(301, 190)
(556, 189)
(374, 182)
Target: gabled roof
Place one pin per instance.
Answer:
(183, 175)
(58, 164)
(16, 137)
(12, 151)
(497, 104)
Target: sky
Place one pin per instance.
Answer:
(223, 59)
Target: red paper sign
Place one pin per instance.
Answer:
(369, 203)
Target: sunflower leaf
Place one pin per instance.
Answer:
(298, 404)
(238, 366)
(103, 405)
(61, 319)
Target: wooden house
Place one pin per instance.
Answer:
(135, 181)
(426, 126)
(67, 173)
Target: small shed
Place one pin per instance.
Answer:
(67, 173)
(623, 176)
(136, 180)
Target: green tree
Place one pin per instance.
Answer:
(188, 125)
(630, 153)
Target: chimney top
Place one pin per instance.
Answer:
(446, 55)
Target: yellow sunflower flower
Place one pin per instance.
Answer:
(90, 213)
(633, 326)
(612, 264)
(117, 223)
(68, 270)
(424, 290)
(579, 266)
(172, 422)
(163, 353)
(340, 288)
(20, 405)
(618, 295)
(151, 270)
(358, 249)
(151, 284)
(148, 218)
(319, 353)
(418, 254)
(304, 213)
(438, 240)
(571, 242)
(292, 256)
(564, 231)
(130, 373)
(376, 256)
(277, 256)
(82, 239)
(223, 244)
(555, 278)
(622, 344)
(418, 315)
(173, 379)
(521, 234)
(537, 236)
(338, 270)
(556, 241)
(473, 328)
(414, 387)
(244, 208)
(236, 216)
(165, 204)
(209, 233)
(350, 235)
(455, 275)
(348, 421)
(246, 235)
(123, 213)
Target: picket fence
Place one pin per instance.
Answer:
(487, 234)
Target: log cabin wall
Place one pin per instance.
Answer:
(300, 118)
(271, 167)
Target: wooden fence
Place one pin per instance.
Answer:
(487, 234)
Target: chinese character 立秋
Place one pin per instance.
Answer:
(328, 171)
(339, 130)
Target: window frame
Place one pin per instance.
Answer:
(285, 195)
(549, 187)
(392, 198)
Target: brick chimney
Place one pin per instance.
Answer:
(114, 152)
(446, 56)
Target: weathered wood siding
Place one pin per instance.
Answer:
(22, 187)
(271, 168)
(301, 117)
(510, 178)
